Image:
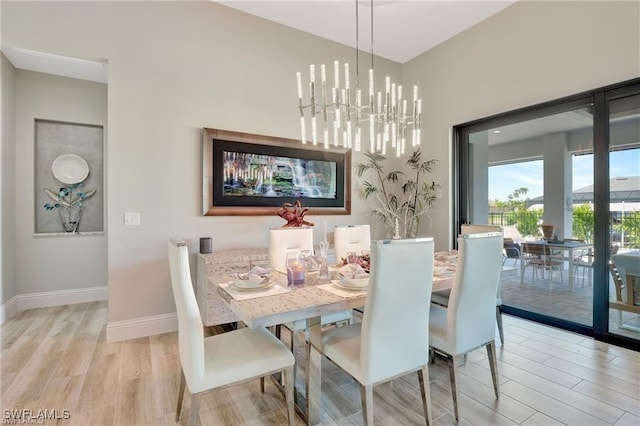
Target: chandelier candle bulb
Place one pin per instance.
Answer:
(314, 131)
(346, 76)
(372, 133)
(299, 78)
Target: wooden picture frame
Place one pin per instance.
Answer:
(251, 175)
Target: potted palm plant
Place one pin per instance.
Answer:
(401, 199)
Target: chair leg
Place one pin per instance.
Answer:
(261, 384)
(426, 393)
(432, 355)
(195, 409)
(493, 365)
(619, 319)
(288, 391)
(454, 389)
(294, 345)
(366, 393)
(183, 383)
(499, 321)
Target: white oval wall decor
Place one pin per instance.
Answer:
(70, 168)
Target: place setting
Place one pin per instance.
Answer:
(352, 276)
(258, 282)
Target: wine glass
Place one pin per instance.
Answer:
(352, 260)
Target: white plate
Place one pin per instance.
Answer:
(348, 287)
(70, 168)
(355, 283)
(244, 285)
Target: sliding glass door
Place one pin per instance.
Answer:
(624, 222)
(556, 166)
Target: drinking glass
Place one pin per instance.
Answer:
(311, 262)
(352, 260)
(296, 270)
(324, 275)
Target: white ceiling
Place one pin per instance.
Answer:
(49, 63)
(403, 29)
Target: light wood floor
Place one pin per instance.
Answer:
(57, 358)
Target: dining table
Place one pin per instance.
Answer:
(571, 248)
(282, 303)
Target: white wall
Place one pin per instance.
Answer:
(8, 182)
(53, 262)
(177, 67)
(173, 69)
(528, 53)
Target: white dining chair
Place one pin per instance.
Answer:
(387, 344)
(442, 297)
(282, 240)
(468, 321)
(224, 359)
(348, 238)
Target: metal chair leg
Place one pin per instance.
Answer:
(181, 387)
(493, 365)
(366, 393)
(426, 393)
(499, 321)
(454, 388)
(289, 391)
(195, 409)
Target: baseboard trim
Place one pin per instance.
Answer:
(45, 299)
(141, 327)
(8, 308)
(62, 297)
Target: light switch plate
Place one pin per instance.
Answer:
(132, 219)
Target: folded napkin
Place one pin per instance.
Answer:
(256, 275)
(353, 271)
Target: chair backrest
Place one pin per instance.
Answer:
(511, 248)
(479, 229)
(351, 238)
(471, 311)
(617, 280)
(535, 249)
(283, 239)
(190, 328)
(395, 323)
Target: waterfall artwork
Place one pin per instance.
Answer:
(263, 175)
(245, 174)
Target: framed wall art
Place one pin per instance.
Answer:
(246, 174)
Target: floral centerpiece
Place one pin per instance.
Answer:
(364, 261)
(69, 202)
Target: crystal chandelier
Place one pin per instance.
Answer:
(342, 116)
